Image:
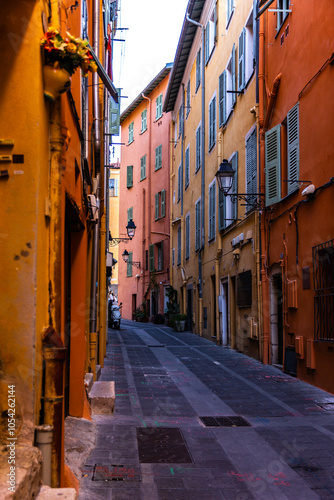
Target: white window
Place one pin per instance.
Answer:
(229, 10)
(227, 90)
(246, 54)
(113, 187)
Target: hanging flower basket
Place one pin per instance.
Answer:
(62, 57)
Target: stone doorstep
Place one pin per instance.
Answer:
(102, 398)
(47, 493)
(89, 381)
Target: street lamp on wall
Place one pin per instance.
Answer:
(130, 229)
(225, 177)
(125, 256)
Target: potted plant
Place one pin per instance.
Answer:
(179, 321)
(62, 57)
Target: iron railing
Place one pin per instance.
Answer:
(323, 279)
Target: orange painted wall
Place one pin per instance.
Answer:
(300, 50)
(142, 198)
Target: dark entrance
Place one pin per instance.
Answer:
(190, 310)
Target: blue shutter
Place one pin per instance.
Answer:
(251, 167)
(207, 42)
(234, 83)
(151, 258)
(197, 225)
(187, 236)
(179, 245)
(212, 211)
(163, 203)
(234, 188)
(221, 210)
(222, 99)
(293, 148)
(198, 148)
(273, 165)
(241, 59)
(187, 168)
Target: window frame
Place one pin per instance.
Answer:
(158, 158)
(144, 121)
(131, 132)
(158, 111)
(212, 122)
(143, 167)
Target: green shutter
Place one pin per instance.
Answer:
(222, 99)
(251, 168)
(151, 258)
(114, 115)
(143, 167)
(130, 214)
(198, 148)
(156, 206)
(187, 168)
(273, 165)
(234, 84)
(207, 41)
(293, 148)
(163, 203)
(234, 188)
(242, 39)
(129, 266)
(129, 176)
(221, 210)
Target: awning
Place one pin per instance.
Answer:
(104, 77)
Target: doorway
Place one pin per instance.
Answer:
(276, 319)
(223, 314)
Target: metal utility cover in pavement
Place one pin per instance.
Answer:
(120, 472)
(225, 422)
(162, 445)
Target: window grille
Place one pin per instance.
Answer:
(323, 279)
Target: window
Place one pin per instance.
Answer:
(198, 68)
(129, 266)
(323, 274)
(246, 59)
(273, 165)
(146, 260)
(198, 224)
(179, 245)
(158, 102)
(212, 123)
(188, 99)
(158, 157)
(160, 204)
(229, 10)
(130, 214)
(175, 134)
(180, 120)
(244, 289)
(163, 203)
(129, 176)
(144, 120)
(187, 236)
(173, 257)
(212, 210)
(251, 167)
(156, 206)
(227, 206)
(143, 167)
(198, 147)
(210, 34)
(160, 256)
(187, 167)
(151, 258)
(113, 187)
(179, 183)
(131, 132)
(227, 90)
(282, 5)
(293, 148)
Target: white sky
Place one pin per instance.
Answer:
(151, 41)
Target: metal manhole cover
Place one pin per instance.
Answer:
(113, 472)
(162, 445)
(234, 421)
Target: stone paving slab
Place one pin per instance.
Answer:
(286, 453)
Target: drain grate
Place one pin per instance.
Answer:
(225, 421)
(120, 472)
(162, 445)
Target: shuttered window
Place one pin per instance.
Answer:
(188, 100)
(158, 157)
(158, 107)
(229, 10)
(227, 205)
(188, 236)
(156, 206)
(198, 224)
(198, 147)
(144, 120)
(179, 245)
(151, 258)
(179, 183)
(198, 68)
(129, 266)
(187, 167)
(129, 176)
(160, 256)
(143, 167)
(234, 75)
(251, 168)
(234, 188)
(222, 99)
(293, 148)
(131, 132)
(163, 203)
(221, 210)
(212, 211)
(130, 214)
(212, 123)
(241, 60)
(273, 165)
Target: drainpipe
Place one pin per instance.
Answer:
(97, 151)
(218, 255)
(200, 279)
(43, 440)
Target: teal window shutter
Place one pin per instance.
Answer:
(293, 148)
(163, 203)
(187, 237)
(234, 188)
(212, 123)
(130, 214)
(234, 73)
(129, 266)
(251, 167)
(197, 225)
(179, 245)
(144, 120)
(273, 165)
(207, 42)
(179, 187)
(143, 167)
(131, 132)
(212, 211)
(114, 115)
(158, 157)
(151, 258)
(222, 99)
(242, 40)
(198, 148)
(158, 102)
(156, 206)
(221, 210)
(129, 176)
(188, 99)
(187, 168)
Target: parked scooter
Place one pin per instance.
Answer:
(114, 315)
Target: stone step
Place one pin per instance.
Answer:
(102, 398)
(47, 493)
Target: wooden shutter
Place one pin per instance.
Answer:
(130, 214)
(273, 165)
(222, 99)
(179, 187)
(197, 225)
(207, 42)
(241, 59)
(187, 236)
(143, 167)
(163, 203)
(221, 210)
(156, 206)
(187, 169)
(234, 188)
(129, 266)
(234, 83)
(251, 167)
(198, 148)
(129, 176)
(151, 258)
(212, 211)
(198, 68)
(179, 245)
(293, 148)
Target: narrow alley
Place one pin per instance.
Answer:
(195, 421)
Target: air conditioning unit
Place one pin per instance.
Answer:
(310, 354)
(241, 237)
(237, 240)
(253, 330)
(234, 242)
(92, 207)
(299, 346)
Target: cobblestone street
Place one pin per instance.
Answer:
(281, 448)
